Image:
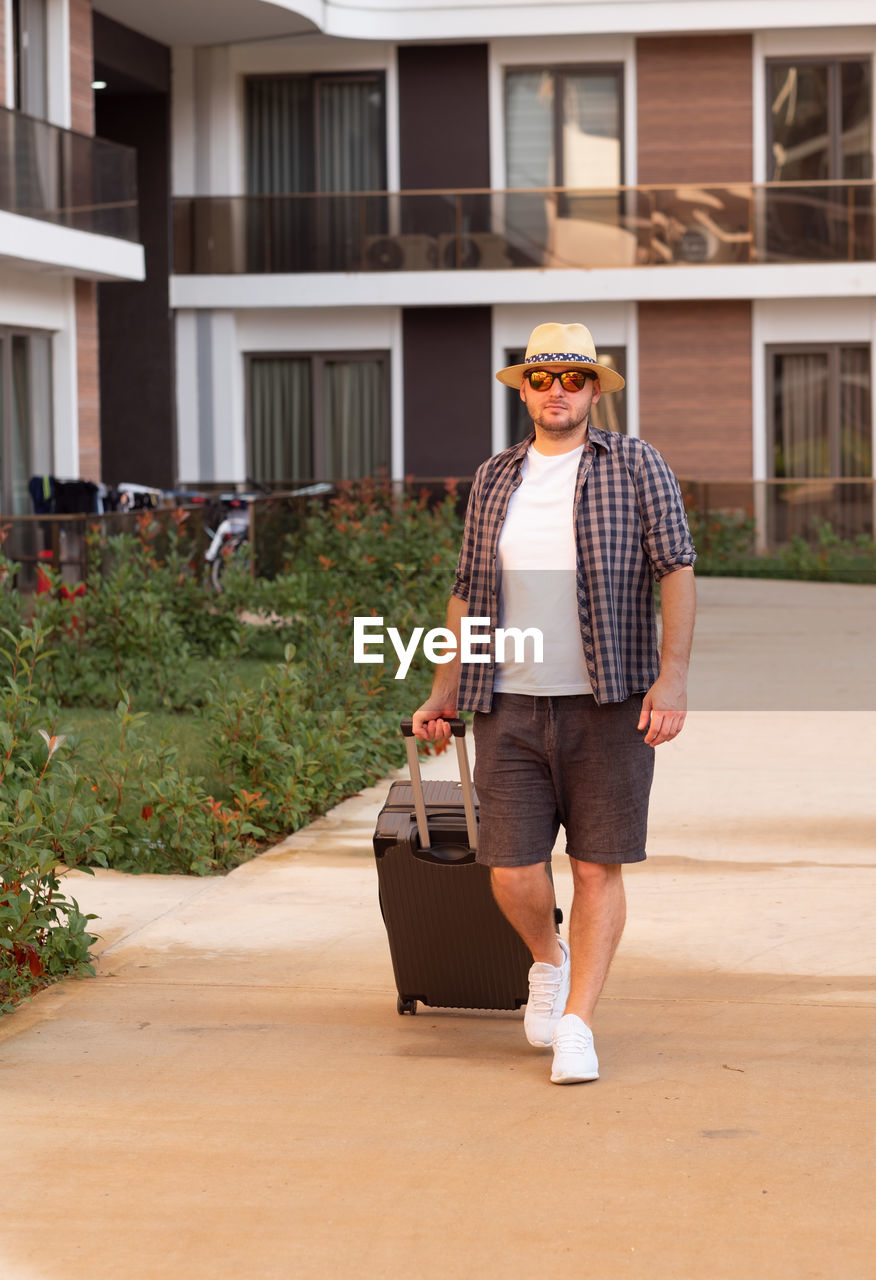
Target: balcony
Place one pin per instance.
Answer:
(488, 230)
(68, 179)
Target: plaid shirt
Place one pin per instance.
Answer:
(630, 529)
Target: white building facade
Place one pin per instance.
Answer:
(373, 205)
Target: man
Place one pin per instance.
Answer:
(567, 531)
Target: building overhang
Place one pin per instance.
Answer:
(33, 245)
(496, 288)
(210, 22)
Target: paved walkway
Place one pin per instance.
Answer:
(235, 1095)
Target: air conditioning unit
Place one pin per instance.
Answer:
(696, 244)
(704, 240)
(400, 253)
(476, 250)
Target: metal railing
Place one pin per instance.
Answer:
(760, 515)
(483, 229)
(71, 179)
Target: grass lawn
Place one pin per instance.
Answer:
(188, 732)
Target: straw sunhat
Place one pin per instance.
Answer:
(569, 345)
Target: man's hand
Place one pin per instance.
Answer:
(431, 719)
(664, 709)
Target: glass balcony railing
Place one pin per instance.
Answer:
(500, 230)
(67, 178)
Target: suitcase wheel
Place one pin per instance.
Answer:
(406, 1006)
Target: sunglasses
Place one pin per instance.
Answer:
(543, 379)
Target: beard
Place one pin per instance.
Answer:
(560, 420)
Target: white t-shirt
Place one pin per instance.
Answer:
(537, 565)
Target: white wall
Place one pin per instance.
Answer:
(45, 303)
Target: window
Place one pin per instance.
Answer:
(563, 127)
(821, 429)
(25, 416)
(29, 59)
(308, 135)
(820, 130)
(317, 417)
(610, 414)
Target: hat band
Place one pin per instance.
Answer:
(558, 357)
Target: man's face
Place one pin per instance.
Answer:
(558, 412)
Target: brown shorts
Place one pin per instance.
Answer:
(543, 762)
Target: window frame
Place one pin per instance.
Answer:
(318, 361)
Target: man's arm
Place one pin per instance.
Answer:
(429, 721)
(665, 704)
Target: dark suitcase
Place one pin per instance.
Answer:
(450, 944)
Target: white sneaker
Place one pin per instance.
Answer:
(548, 993)
(574, 1056)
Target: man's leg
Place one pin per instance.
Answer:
(526, 899)
(595, 928)
(596, 923)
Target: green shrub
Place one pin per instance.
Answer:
(164, 820)
(725, 540)
(148, 624)
(320, 727)
(48, 815)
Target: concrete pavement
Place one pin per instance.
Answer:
(236, 1096)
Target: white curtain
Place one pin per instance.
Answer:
(801, 432)
(356, 428)
(856, 435)
(280, 444)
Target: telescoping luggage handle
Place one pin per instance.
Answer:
(457, 729)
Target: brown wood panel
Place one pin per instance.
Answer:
(444, 134)
(87, 378)
(694, 104)
(447, 433)
(695, 386)
(81, 67)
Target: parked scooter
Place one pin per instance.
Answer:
(232, 532)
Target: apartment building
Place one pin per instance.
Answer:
(374, 203)
(68, 220)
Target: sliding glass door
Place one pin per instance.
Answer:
(306, 136)
(563, 128)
